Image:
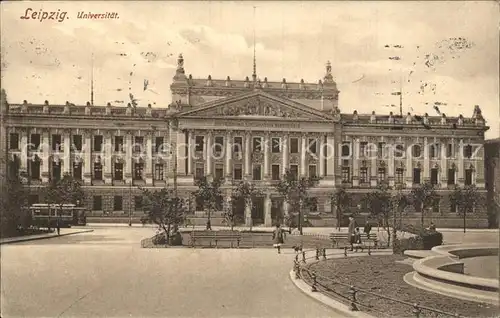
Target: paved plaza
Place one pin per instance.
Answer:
(105, 273)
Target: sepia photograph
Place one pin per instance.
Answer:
(249, 159)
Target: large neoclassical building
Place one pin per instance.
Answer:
(249, 129)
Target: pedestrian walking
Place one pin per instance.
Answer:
(278, 237)
(58, 226)
(357, 238)
(350, 232)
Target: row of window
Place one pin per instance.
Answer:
(399, 175)
(257, 144)
(56, 142)
(117, 203)
(399, 150)
(276, 172)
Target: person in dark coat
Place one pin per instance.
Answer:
(278, 237)
(350, 231)
(58, 226)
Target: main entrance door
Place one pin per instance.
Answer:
(258, 211)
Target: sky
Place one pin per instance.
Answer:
(445, 52)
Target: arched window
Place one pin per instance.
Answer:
(416, 151)
(346, 150)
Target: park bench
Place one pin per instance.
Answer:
(215, 236)
(366, 241)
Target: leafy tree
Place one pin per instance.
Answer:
(211, 194)
(423, 196)
(247, 192)
(341, 200)
(230, 215)
(165, 208)
(13, 198)
(467, 199)
(378, 204)
(295, 192)
(67, 190)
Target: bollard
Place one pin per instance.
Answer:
(317, 254)
(324, 253)
(416, 310)
(352, 292)
(304, 257)
(345, 251)
(313, 287)
(369, 251)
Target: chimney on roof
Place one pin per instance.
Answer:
(283, 84)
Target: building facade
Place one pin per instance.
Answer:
(243, 130)
(492, 165)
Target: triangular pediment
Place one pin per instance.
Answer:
(256, 105)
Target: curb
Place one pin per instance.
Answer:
(339, 308)
(27, 239)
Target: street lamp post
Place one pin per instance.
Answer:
(130, 205)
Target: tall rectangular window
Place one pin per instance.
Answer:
(312, 171)
(257, 144)
(78, 142)
(381, 149)
(138, 143)
(98, 139)
(257, 173)
(56, 142)
(313, 146)
(237, 172)
(275, 145)
(200, 171)
(138, 203)
(35, 141)
(138, 171)
(294, 169)
(363, 175)
(118, 143)
(97, 203)
(453, 207)
(77, 170)
(468, 177)
(118, 175)
(219, 144)
(275, 172)
(237, 144)
(199, 142)
(159, 144)
(219, 171)
(468, 150)
(362, 149)
(451, 176)
(159, 171)
(14, 141)
(449, 151)
(381, 174)
(434, 176)
(294, 145)
(416, 175)
(399, 175)
(118, 203)
(346, 176)
(97, 171)
(56, 171)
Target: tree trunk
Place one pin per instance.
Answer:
(465, 217)
(168, 234)
(300, 218)
(394, 232)
(422, 216)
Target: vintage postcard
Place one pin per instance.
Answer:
(249, 158)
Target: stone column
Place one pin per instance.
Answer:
(24, 150)
(284, 165)
(127, 166)
(409, 166)
(332, 161)
(355, 162)
(266, 155)
(228, 154)
(248, 172)
(47, 150)
(426, 160)
(149, 159)
(460, 165)
(267, 211)
(67, 153)
(87, 160)
(303, 153)
(390, 164)
(248, 214)
(322, 156)
(208, 152)
(108, 158)
(373, 167)
(190, 152)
